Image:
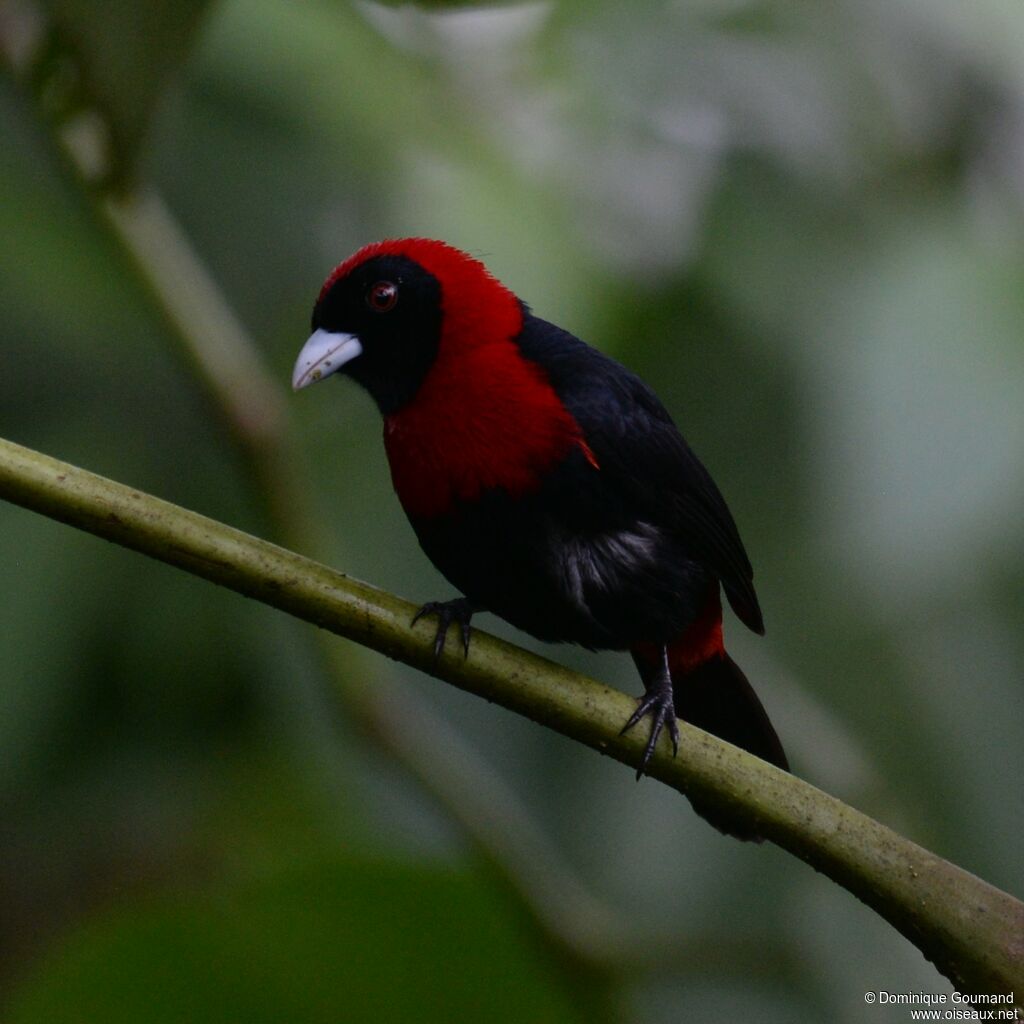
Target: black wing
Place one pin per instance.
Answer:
(645, 464)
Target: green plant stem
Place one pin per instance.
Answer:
(971, 931)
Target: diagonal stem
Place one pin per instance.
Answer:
(972, 932)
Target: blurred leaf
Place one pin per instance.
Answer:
(125, 54)
(348, 941)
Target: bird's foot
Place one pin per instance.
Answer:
(459, 610)
(658, 703)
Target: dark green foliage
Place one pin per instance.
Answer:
(347, 940)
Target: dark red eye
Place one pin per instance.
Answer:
(382, 296)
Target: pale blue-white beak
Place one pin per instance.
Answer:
(325, 353)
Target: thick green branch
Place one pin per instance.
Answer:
(973, 932)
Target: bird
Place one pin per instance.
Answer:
(548, 484)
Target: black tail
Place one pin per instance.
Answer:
(716, 697)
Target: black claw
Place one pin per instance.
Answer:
(673, 731)
(459, 610)
(657, 702)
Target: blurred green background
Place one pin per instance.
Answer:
(803, 223)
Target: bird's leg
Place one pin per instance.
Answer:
(459, 610)
(658, 703)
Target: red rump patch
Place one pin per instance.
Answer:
(484, 417)
(700, 642)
